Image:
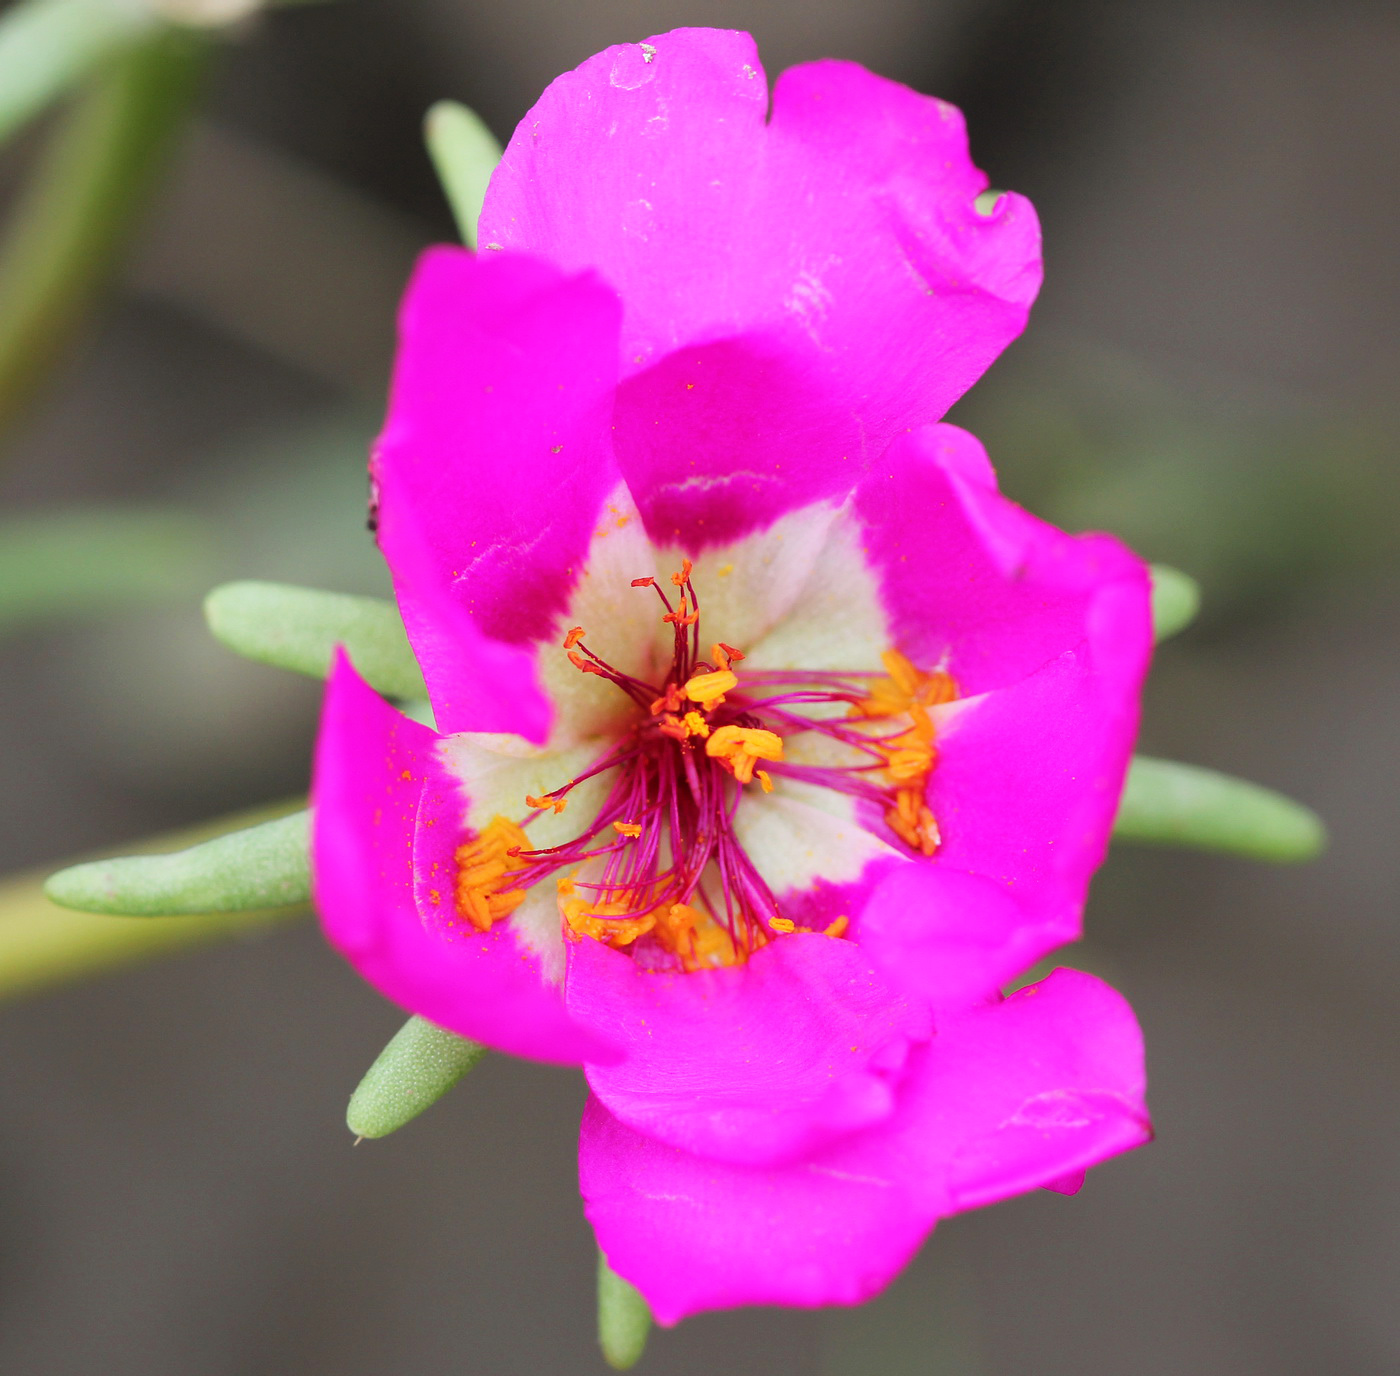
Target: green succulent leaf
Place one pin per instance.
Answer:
(265, 866)
(1170, 804)
(464, 153)
(42, 946)
(299, 628)
(420, 1064)
(1176, 598)
(624, 1318)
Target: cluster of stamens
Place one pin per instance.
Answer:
(658, 871)
(910, 755)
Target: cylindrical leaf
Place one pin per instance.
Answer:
(265, 866)
(464, 153)
(1172, 804)
(1176, 598)
(299, 628)
(624, 1318)
(42, 945)
(420, 1064)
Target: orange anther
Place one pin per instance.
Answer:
(644, 582)
(838, 927)
(709, 689)
(733, 654)
(547, 800)
(739, 748)
(587, 919)
(909, 764)
(907, 678)
(680, 579)
(482, 871)
(586, 666)
(671, 725)
(941, 687)
(783, 925)
(573, 637)
(632, 829)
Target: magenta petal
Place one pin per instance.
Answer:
(1027, 786)
(492, 468)
(373, 769)
(949, 938)
(752, 1064)
(966, 572)
(1009, 1097)
(1066, 1059)
(822, 277)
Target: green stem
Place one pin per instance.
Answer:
(48, 45)
(66, 236)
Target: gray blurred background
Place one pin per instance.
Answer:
(1210, 374)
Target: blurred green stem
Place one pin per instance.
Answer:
(48, 45)
(66, 235)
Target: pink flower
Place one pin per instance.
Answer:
(774, 741)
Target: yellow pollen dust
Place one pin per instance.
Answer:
(709, 689)
(911, 755)
(483, 867)
(739, 749)
(696, 725)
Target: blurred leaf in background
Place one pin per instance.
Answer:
(86, 563)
